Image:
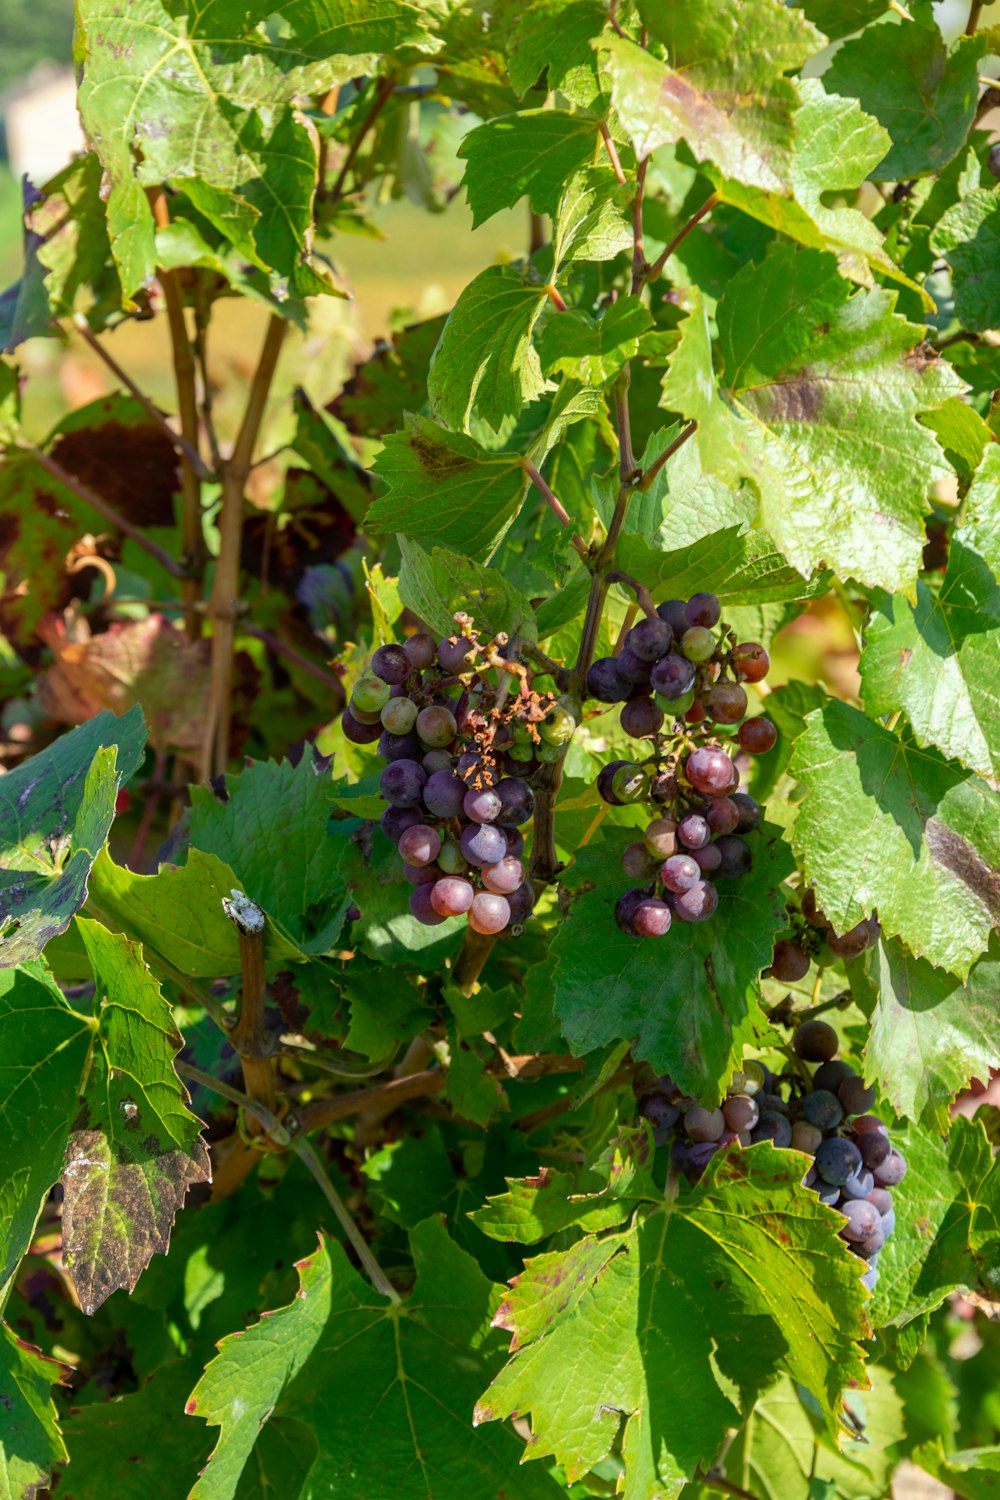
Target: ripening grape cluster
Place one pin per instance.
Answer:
(455, 817)
(792, 956)
(854, 1164)
(680, 681)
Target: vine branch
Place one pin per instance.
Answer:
(305, 1149)
(249, 1035)
(656, 268)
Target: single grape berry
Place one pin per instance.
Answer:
(679, 873)
(861, 1219)
(606, 683)
(704, 1124)
(517, 802)
(402, 782)
(650, 638)
(391, 664)
(748, 810)
(837, 1159)
(631, 668)
(830, 1075)
(488, 913)
(399, 715)
(697, 904)
(451, 859)
(696, 713)
(661, 1114)
(456, 654)
(483, 844)
(859, 1184)
(370, 694)
(811, 911)
(358, 733)
(673, 612)
(855, 1097)
(740, 1112)
(641, 717)
(420, 874)
(436, 760)
(521, 903)
(672, 676)
(651, 918)
(757, 736)
(708, 859)
(806, 1137)
(874, 1148)
(396, 820)
(824, 1110)
(891, 1171)
(399, 746)
(420, 845)
(421, 651)
(882, 1199)
(751, 661)
(815, 1041)
(637, 862)
(481, 805)
(452, 897)
(697, 644)
(558, 726)
(703, 609)
(773, 1127)
(736, 857)
(444, 794)
(421, 905)
(661, 837)
(515, 841)
(629, 783)
(723, 815)
(436, 726)
(503, 877)
(850, 944)
(625, 908)
(725, 702)
(709, 770)
(788, 962)
(693, 831)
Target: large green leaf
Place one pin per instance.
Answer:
(739, 564)
(924, 93)
(746, 1271)
(968, 236)
(889, 826)
(30, 1441)
(437, 584)
(44, 1049)
(595, 350)
(485, 361)
(57, 809)
(838, 18)
(269, 806)
(135, 1149)
(444, 489)
(527, 155)
(947, 1217)
(723, 88)
(689, 1000)
(931, 1034)
(936, 659)
(592, 221)
(817, 403)
(382, 1390)
(551, 44)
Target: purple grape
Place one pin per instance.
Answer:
(823, 1109)
(855, 1097)
(444, 794)
(704, 1124)
(651, 918)
(708, 859)
(391, 664)
(861, 1219)
(605, 776)
(830, 1075)
(859, 1184)
(421, 907)
(673, 612)
(420, 845)
(481, 806)
(693, 831)
(661, 1114)
(709, 770)
(515, 841)
(723, 815)
(399, 746)
(483, 844)
(870, 1246)
(882, 1199)
(870, 1279)
(650, 638)
(475, 771)
(874, 1149)
(641, 717)
(421, 651)
(815, 1041)
(631, 668)
(703, 609)
(697, 904)
(402, 782)
(452, 896)
(436, 760)
(396, 820)
(772, 1127)
(888, 1222)
(736, 857)
(788, 962)
(698, 1157)
(890, 1173)
(456, 654)
(420, 874)
(740, 1112)
(837, 1159)
(503, 877)
(517, 802)
(680, 873)
(606, 683)
(637, 862)
(827, 1192)
(673, 676)
(521, 903)
(358, 733)
(850, 944)
(748, 810)
(488, 913)
(625, 908)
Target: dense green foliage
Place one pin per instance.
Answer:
(579, 1199)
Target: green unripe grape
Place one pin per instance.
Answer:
(675, 708)
(630, 783)
(436, 726)
(451, 859)
(370, 694)
(558, 726)
(749, 1079)
(521, 733)
(363, 717)
(548, 753)
(521, 750)
(399, 715)
(698, 644)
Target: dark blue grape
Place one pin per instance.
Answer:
(859, 1184)
(772, 1127)
(823, 1110)
(517, 802)
(703, 609)
(661, 1114)
(632, 668)
(650, 639)
(625, 908)
(673, 676)
(444, 793)
(748, 810)
(391, 664)
(855, 1097)
(521, 903)
(837, 1159)
(402, 782)
(861, 1219)
(399, 746)
(830, 1075)
(874, 1148)
(606, 683)
(675, 615)
(641, 717)
(736, 857)
(396, 820)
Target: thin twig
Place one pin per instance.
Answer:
(104, 510)
(640, 267)
(555, 297)
(359, 1244)
(320, 1112)
(972, 24)
(250, 1036)
(328, 1062)
(668, 452)
(640, 591)
(626, 457)
(556, 506)
(544, 662)
(271, 1124)
(726, 1486)
(382, 96)
(661, 260)
(612, 151)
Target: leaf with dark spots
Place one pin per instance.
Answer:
(115, 449)
(390, 382)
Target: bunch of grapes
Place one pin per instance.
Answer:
(854, 1165)
(450, 729)
(792, 956)
(674, 675)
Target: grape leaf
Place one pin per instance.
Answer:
(962, 434)
(383, 1390)
(135, 1147)
(761, 1288)
(924, 93)
(57, 809)
(44, 1048)
(934, 659)
(485, 361)
(947, 1210)
(738, 564)
(592, 221)
(974, 1473)
(981, 511)
(890, 826)
(689, 1001)
(527, 155)
(30, 1441)
(930, 1034)
(437, 584)
(839, 18)
(594, 350)
(551, 42)
(968, 236)
(443, 488)
(729, 101)
(271, 805)
(818, 406)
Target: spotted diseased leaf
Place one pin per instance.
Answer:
(443, 489)
(527, 155)
(135, 1149)
(437, 584)
(485, 361)
(688, 1001)
(722, 88)
(922, 91)
(888, 826)
(56, 811)
(968, 236)
(930, 1033)
(641, 1312)
(380, 1389)
(30, 1441)
(817, 403)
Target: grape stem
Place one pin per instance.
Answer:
(305, 1149)
(656, 269)
(612, 151)
(639, 590)
(726, 1486)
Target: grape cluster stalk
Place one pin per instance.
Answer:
(680, 681)
(825, 1114)
(460, 749)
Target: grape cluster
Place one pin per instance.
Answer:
(792, 956)
(449, 733)
(674, 664)
(854, 1165)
